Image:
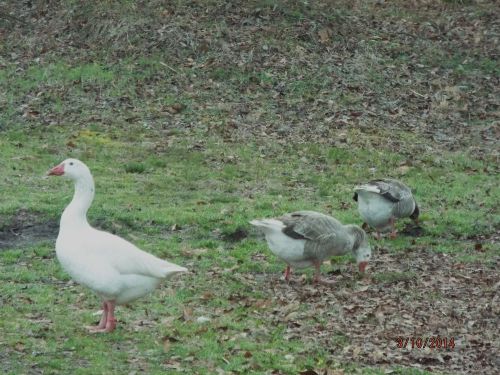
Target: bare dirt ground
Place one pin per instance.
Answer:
(26, 228)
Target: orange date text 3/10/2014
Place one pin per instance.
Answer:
(432, 342)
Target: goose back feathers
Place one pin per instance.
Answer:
(382, 201)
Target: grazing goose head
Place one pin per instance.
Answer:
(361, 247)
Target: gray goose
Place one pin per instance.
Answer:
(381, 202)
(307, 238)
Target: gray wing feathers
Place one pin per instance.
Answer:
(392, 189)
(320, 231)
(310, 224)
(404, 201)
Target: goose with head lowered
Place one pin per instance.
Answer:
(307, 238)
(112, 267)
(381, 202)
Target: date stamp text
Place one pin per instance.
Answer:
(433, 342)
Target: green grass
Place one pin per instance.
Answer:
(183, 184)
(195, 192)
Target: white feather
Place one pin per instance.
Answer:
(284, 247)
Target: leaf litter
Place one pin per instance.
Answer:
(409, 294)
(426, 67)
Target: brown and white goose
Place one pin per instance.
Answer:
(307, 238)
(381, 202)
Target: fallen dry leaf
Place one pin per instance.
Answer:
(187, 314)
(324, 35)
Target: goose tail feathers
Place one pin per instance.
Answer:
(368, 187)
(268, 223)
(171, 269)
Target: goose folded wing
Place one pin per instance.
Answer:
(389, 189)
(309, 225)
(127, 259)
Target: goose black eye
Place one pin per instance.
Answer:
(70, 163)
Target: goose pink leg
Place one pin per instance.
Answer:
(108, 320)
(102, 322)
(317, 275)
(111, 321)
(393, 227)
(287, 273)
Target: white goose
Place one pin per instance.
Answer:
(112, 267)
(307, 238)
(381, 202)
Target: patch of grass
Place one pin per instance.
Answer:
(394, 277)
(210, 200)
(135, 168)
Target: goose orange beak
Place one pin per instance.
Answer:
(362, 266)
(58, 170)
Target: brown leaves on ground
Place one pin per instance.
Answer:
(413, 294)
(287, 70)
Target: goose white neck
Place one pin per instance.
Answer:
(76, 212)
